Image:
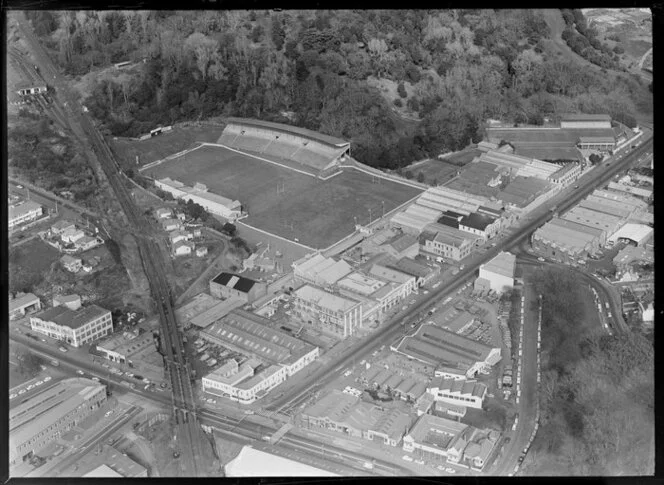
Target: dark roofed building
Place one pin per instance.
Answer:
(227, 285)
(401, 245)
(423, 272)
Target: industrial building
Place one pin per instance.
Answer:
(108, 462)
(22, 213)
(252, 335)
(431, 437)
(73, 302)
(435, 346)
(482, 225)
(566, 240)
(362, 287)
(214, 203)
(203, 310)
(401, 246)
(639, 234)
(229, 285)
(347, 414)
(497, 274)
(606, 206)
(423, 273)
(600, 220)
(438, 241)
(629, 254)
(459, 392)
(627, 200)
(645, 193)
(23, 304)
(566, 174)
(121, 347)
(77, 328)
(319, 270)
(339, 315)
(47, 415)
(521, 192)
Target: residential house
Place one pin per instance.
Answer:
(71, 263)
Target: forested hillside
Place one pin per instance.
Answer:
(597, 391)
(311, 68)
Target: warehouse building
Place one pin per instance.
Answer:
(215, 204)
(606, 206)
(497, 274)
(203, 310)
(482, 225)
(645, 193)
(629, 254)
(522, 191)
(387, 294)
(597, 143)
(346, 414)
(26, 212)
(23, 304)
(439, 241)
(319, 270)
(77, 328)
(333, 313)
(566, 174)
(401, 246)
(606, 222)
(228, 285)
(566, 240)
(431, 436)
(407, 283)
(622, 198)
(414, 219)
(639, 234)
(435, 346)
(538, 169)
(459, 392)
(47, 415)
(423, 273)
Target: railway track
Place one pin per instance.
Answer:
(189, 436)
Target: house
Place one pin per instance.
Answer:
(179, 235)
(87, 242)
(170, 224)
(71, 263)
(163, 213)
(201, 251)
(73, 302)
(183, 248)
(196, 232)
(62, 226)
(72, 235)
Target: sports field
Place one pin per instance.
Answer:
(287, 203)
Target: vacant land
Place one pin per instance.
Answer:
(286, 203)
(162, 145)
(435, 171)
(28, 262)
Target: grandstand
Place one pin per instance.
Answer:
(307, 148)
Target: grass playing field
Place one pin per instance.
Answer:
(286, 203)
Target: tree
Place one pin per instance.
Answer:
(277, 32)
(257, 34)
(401, 89)
(230, 229)
(409, 174)
(420, 177)
(595, 158)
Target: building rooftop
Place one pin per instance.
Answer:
(103, 471)
(330, 301)
(335, 405)
(22, 209)
(584, 117)
(412, 267)
(21, 301)
(477, 221)
(109, 463)
(62, 225)
(237, 282)
(244, 465)
(435, 431)
(203, 309)
(65, 317)
(503, 264)
(390, 274)
(401, 242)
(592, 218)
(47, 406)
(361, 283)
(320, 267)
(436, 345)
(607, 207)
(449, 235)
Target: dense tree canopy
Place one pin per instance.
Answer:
(464, 66)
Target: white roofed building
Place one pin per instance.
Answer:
(638, 233)
(22, 213)
(245, 465)
(334, 313)
(319, 270)
(214, 203)
(22, 304)
(499, 272)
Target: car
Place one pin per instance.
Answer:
(419, 462)
(80, 372)
(407, 458)
(39, 383)
(12, 396)
(62, 349)
(31, 386)
(95, 379)
(108, 413)
(249, 412)
(44, 340)
(540, 259)
(576, 186)
(450, 470)
(440, 467)
(129, 374)
(147, 381)
(19, 186)
(22, 391)
(47, 378)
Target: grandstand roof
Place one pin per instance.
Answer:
(503, 264)
(303, 132)
(435, 345)
(584, 117)
(330, 301)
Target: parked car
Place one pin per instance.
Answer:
(407, 458)
(62, 349)
(95, 379)
(47, 378)
(450, 470)
(80, 372)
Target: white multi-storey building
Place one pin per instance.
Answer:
(77, 328)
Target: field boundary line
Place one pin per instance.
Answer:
(261, 158)
(170, 157)
(274, 235)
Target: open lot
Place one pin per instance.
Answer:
(287, 203)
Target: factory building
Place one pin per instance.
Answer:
(77, 328)
(47, 415)
(639, 234)
(439, 241)
(23, 304)
(482, 225)
(26, 212)
(566, 174)
(459, 392)
(606, 222)
(497, 274)
(567, 241)
(319, 270)
(216, 204)
(645, 193)
(229, 285)
(431, 437)
(585, 121)
(336, 314)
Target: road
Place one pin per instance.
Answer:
(563, 201)
(193, 446)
